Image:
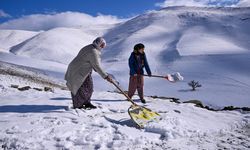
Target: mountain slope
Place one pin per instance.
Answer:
(166, 32)
(9, 38)
(209, 45)
(62, 44)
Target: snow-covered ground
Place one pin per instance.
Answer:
(209, 45)
(41, 120)
(45, 120)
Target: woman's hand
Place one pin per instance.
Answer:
(109, 79)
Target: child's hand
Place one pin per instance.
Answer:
(109, 78)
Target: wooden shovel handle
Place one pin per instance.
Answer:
(157, 76)
(129, 99)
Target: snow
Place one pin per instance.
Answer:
(61, 43)
(191, 43)
(209, 45)
(45, 43)
(9, 38)
(40, 120)
(53, 68)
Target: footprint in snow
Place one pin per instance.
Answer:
(118, 110)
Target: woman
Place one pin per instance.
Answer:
(78, 75)
(137, 62)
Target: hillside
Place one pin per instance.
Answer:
(9, 38)
(60, 43)
(209, 45)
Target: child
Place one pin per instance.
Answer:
(137, 61)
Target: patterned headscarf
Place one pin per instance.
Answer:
(98, 42)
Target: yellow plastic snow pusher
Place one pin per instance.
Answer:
(139, 114)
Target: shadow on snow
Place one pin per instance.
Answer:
(30, 108)
(127, 122)
(60, 98)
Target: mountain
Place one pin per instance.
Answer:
(168, 34)
(9, 38)
(61, 43)
(209, 45)
(180, 31)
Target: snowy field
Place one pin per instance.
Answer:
(40, 120)
(45, 120)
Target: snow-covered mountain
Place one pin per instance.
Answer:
(9, 38)
(209, 45)
(60, 43)
(180, 31)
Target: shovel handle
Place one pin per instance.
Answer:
(129, 99)
(157, 76)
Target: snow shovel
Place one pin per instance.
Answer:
(175, 77)
(139, 114)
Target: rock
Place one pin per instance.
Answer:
(38, 89)
(172, 99)
(236, 108)
(48, 89)
(229, 108)
(177, 111)
(24, 88)
(196, 102)
(245, 108)
(14, 86)
(208, 108)
(175, 100)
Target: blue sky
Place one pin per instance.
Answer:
(12, 9)
(120, 8)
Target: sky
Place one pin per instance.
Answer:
(120, 8)
(23, 14)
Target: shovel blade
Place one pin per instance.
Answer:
(142, 115)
